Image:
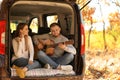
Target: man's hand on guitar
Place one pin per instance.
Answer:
(40, 46)
(61, 45)
(50, 51)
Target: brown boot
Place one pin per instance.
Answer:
(14, 67)
(20, 72)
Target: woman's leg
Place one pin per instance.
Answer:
(20, 62)
(35, 64)
(46, 59)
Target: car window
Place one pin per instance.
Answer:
(34, 25)
(14, 23)
(51, 19)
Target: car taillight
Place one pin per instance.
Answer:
(82, 39)
(2, 36)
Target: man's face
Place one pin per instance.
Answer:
(55, 30)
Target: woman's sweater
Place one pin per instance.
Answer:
(19, 49)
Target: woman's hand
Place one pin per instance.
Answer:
(26, 36)
(30, 62)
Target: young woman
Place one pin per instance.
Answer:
(22, 59)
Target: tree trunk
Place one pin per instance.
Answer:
(104, 38)
(90, 33)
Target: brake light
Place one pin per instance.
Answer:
(82, 39)
(2, 36)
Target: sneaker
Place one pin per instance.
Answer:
(65, 67)
(47, 66)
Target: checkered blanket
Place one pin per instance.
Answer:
(42, 72)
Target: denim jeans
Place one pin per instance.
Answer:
(22, 62)
(55, 61)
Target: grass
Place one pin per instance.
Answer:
(97, 41)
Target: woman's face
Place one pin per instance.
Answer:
(55, 30)
(24, 31)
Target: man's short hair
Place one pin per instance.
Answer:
(55, 24)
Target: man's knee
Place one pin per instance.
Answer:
(41, 54)
(71, 56)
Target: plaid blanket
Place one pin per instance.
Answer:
(42, 72)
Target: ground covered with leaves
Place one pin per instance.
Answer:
(102, 65)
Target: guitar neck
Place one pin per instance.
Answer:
(66, 43)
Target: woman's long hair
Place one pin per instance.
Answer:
(20, 26)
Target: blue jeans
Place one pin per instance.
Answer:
(22, 62)
(55, 61)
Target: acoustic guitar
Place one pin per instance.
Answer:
(49, 49)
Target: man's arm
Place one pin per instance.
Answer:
(71, 49)
(68, 48)
(37, 38)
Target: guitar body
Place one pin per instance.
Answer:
(49, 49)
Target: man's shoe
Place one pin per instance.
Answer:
(47, 66)
(65, 67)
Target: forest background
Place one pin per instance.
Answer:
(102, 30)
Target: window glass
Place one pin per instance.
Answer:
(51, 19)
(34, 25)
(14, 23)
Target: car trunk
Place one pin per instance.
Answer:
(25, 10)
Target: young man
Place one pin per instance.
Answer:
(57, 56)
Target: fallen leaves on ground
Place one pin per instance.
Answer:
(102, 65)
